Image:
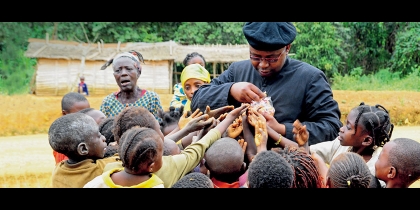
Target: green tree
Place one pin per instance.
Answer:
(319, 44)
(16, 70)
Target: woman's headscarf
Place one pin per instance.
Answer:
(195, 71)
(132, 54)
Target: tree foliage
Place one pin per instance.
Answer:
(337, 48)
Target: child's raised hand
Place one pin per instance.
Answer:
(252, 116)
(235, 113)
(199, 123)
(301, 135)
(243, 144)
(183, 120)
(235, 128)
(219, 111)
(222, 117)
(261, 134)
(207, 128)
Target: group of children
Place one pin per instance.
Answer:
(223, 148)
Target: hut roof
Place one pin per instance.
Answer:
(170, 50)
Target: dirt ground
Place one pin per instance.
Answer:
(27, 156)
(31, 114)
(27, 161)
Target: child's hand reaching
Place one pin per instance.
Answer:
(301, 135)
(230, 117)
(219, 111)
(222, 117)
(261, 135)
(183, 120)
(243, 144)
(199, 123)
(207, 128)
(235, 128)
(252, 117)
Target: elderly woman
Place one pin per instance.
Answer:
(127, 70)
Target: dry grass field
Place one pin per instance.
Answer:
(27, 159)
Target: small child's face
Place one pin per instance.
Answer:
(191, 85)
(346, 136)
(382, 165)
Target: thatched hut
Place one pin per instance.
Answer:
(60, 63)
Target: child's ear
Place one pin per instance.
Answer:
(392, 173)
(82, 149)
(367, 141)
(150, 168)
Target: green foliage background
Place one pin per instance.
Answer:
(353, 55)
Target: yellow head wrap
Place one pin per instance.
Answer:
(195, 71)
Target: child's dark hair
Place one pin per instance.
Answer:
(374, 182)
(349, 170)
(86, 110)
(405, 157)
(269, 169)
(132, 116)
(194, 180)
(70, 99)
(225, 159)
(105, 128)
(111, 150)
(376, 121)
(189, 56)
(169, 117)
(69, 130)
(306, 174)
(138, 146)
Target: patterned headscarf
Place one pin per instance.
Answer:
(132, 54)
(195, 71)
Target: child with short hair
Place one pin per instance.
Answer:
(97, 115)
(225, 162)
(70, 103)
(73, 102)
(174, 166)
(366, 130)
(348, 170)
(270, 170)
(77, 136)
(170, 148)
(194, 180)
(398, 164)
(141, 151)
